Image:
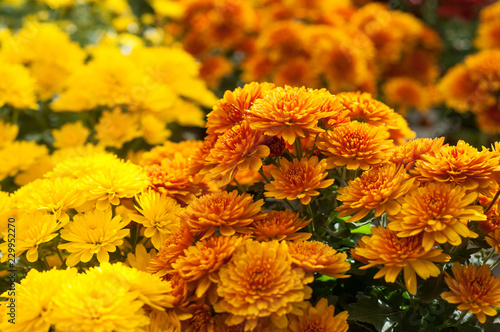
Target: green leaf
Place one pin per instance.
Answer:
(365, 229)
(373, 311)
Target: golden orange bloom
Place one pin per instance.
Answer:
(231, 109)
(260, 281)
(355, 145)
(280, 225)
(229, 213)
(462, 164)
(298, 179)
(409, 153)
(473, 289)
(314, 256)
(493, 240)
(438, 210)
(459, 90)
(201, 320)
(289, 112)
(405, 93)
(492, 221)
(202, 261)
(376, 189)
(362, 107)
(384, 247)
(399, 131)
(168, 151)
(239, 148)
(319, 318)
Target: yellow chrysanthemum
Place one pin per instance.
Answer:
(461, 164)
(376, 189)
(8, 133)
(384, 247)
(473, 289)
(229, 213)
(70, 135)
(34, 300)
(200, 263)
(153, 130)
(168, 151)
(8, 210)
(289, 112)
(20, 156)
(260, 281)
(94, 232)
(111, 182)
(17, 87)
(355, 145)
(32, 229)
(232, 108)
(116, 128)
(314, 256)
(320, 318)
(77, 163)
(298, 179)
(280, 225)
(438, 210)
(159, 214)
(163, 321)
(141, 258)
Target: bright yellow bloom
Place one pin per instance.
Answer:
(377, 188)
(280, 225)
(140, 259)
(163, 321)
(289, 112)
(17, 87)
(116, 128)
(473, 289)
(319, 318)
(94, 232)
(298, 179)
(32, 229)
(79, 162)
(168, 151)
(260, 281)
(229, 213)
(159, 215)
(35, 300)
(314, 256)
(438, 210)
(384, 247)
(8, 133)
(111, 182)
(201, 263)
(20, 156)
(70, 135)
(356, 145)
(154, 131)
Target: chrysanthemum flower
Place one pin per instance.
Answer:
(384, 247)
(409, 153)
(314, 256)
(260, 281)
(70, 134)
(34, 299)
(362, 107)
(94, 232)
(232, 108)
(168, 150)
(20, 156)
(105, 186)
(116, 128)
(404, 93)
(89, 303)
(230, 213)
(493, 239)
(17, 88)
(32, 229)
(163, 321)
(141, 258)
(355, 145)
(8, 132)
(438, 210)
(289, 112)
(280, 225)
(473, 289)
(239, 148)
(461, 164)
(171, 249)
(492, 221)
(320, 318)
(159, 214)
(377, 188)
(150, 289)
(201, 320)
(298, 179)
(399, 131)
(201, 262)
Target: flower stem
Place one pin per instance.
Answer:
(310, 211)
(495, 264)
(44, 259)
(261, 172)
(290, 205)
(492, 202)
(489, 256)
(298, 148)
(240, 187)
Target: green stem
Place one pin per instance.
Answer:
(495, 264)
(261, 172)
(240, 187)
(298, 148)
(489, 256)
(310, 211)
(492, 202)
(290, 205)
(44, 259)
(459, 319)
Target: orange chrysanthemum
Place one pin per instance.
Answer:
(461, 164)
(320, 318)
(231, 109)
(438, 210)
(474, 289)
(168, 150)
(493, 240)
(298, 179)
(409, 153)
(404, 93)
(362, 107)
(290, 112)
(355, 145)
(492, 221)
(239, 148)
(201, 262)
(280, 225)
(314, 256)
(201, 320)
(229, 213)
(376, 189)
(384, 247)
(260, 281)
